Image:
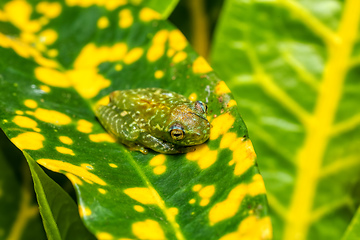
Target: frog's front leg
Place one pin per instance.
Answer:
(159, 145)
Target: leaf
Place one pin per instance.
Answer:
(163, 7)
(52, 77)
(19, 216)
(353, 230)
(294, 69)
(58, 210)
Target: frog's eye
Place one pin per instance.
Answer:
(177, 132)
(199, 105)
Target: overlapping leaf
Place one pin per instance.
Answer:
(63, 58)
(294, 66)
(20, 218)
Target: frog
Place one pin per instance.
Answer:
(155, 118)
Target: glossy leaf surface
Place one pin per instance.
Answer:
(294, 67)
(52, 77)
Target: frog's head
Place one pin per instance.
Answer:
(188, 124)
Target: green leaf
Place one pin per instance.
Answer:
(353, 230)
(58, 210)
(19, 214)
(294, 67)
(50, 80)
(165, 8)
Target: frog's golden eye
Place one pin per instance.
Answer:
(199, 105)
(177, 132)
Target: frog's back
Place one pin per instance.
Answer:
(144, 98)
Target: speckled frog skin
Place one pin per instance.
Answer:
(155, 118)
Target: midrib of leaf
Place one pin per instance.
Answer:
(159, 200)
(319, 128)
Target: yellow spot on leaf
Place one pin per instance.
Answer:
(170, 52)
(155, 52)
(18, 112)
(113, 165)
(160, 37)
(30, 103)
(157, 160)
(104, 236)
(112, 4)
(87, 81)
(159, 74)
(84, 211)
(66, 140)
(118, 67)
(231, 103)
(148, 229)
(142, 195)
(180, 56)
(159, 169)
(86, 57)
(57, 166)
(25, 122)
(243, 155)
(45, 88)
(192, 201)
(221, 88)
(18, 13)
(65, 150)
(157, 48)
(29, 140)
(177, 40)
(251, 227)
(221, 125)
(147, 14)
(49, 9)
(197, 187)
(227, 139)
(103, 22)
(51, 116)
(193, 97)
(102, 191)
(203, 155)
(48, 36)
(257, 186)
(125, 18)
(74, 179)
(228, 208)
(172, 212)
(139, 208)
(204, 202)
(84, 126)
(101, 137)
(207, 192)
(52, 77)
(133, 55)
(201, 66)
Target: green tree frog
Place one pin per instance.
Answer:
(155, 118)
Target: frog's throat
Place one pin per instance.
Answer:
(199, 116)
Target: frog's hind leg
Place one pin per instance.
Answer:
(118, 122)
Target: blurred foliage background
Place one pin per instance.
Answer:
(294, 68)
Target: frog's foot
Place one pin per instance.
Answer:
(136, 147)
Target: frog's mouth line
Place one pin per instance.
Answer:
(199, 116)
